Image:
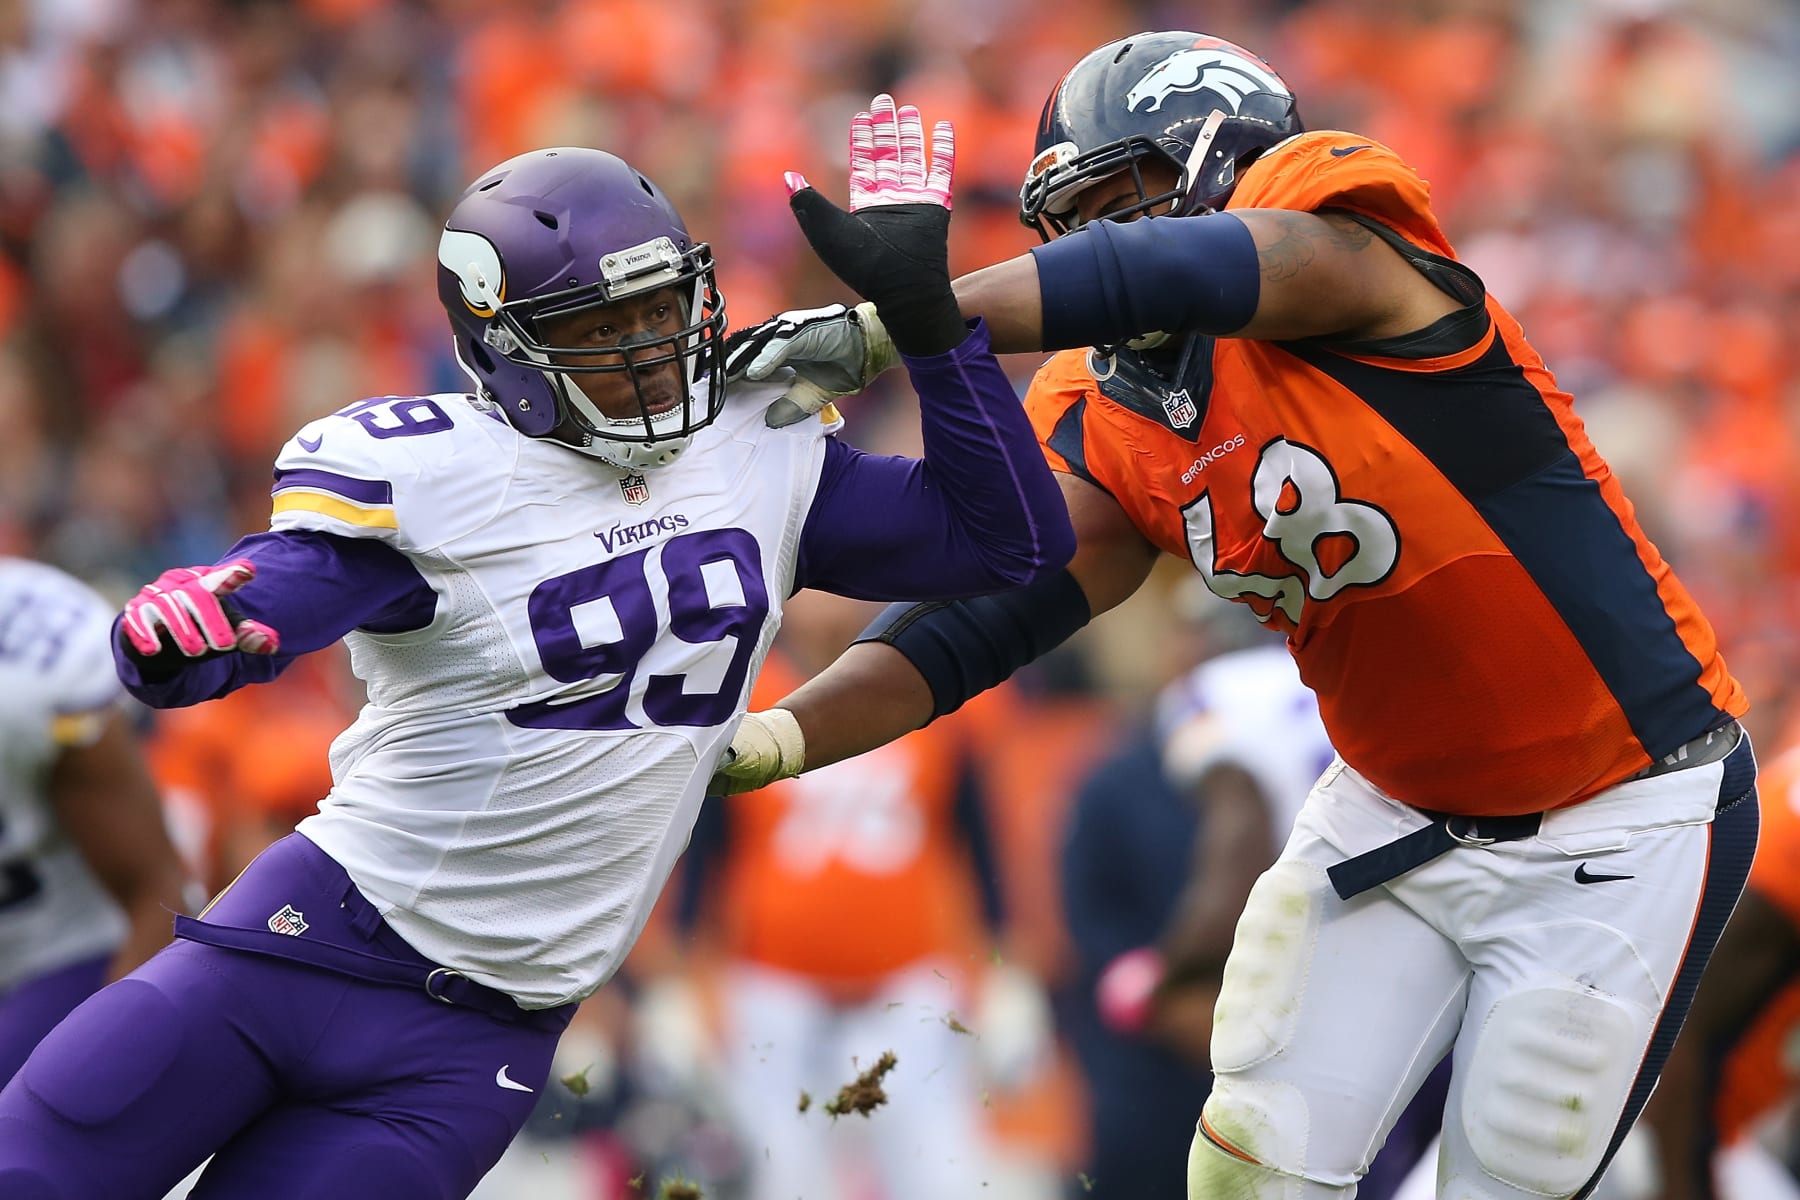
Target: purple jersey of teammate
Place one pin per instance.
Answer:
(558, 591)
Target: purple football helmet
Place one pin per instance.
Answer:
(559, 231)
(1203, 105)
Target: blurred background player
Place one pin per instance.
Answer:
(860, 911)
(89, 880)
(239, 773)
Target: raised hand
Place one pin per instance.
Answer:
(188, 605)
(891, 247)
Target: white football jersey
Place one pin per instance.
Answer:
(57, 689)
(529, 766)
(1247, 708)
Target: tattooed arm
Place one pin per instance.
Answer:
(1269, 274)
(1327, 274)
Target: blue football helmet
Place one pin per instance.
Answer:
(559, 231)
(1203, 105)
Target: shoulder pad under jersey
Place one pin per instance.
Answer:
(414, 471)
(751, 403)
(1332, 169)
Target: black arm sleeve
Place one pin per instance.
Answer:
(965, 647)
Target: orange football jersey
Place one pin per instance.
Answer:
(851, 872)
(1760, 1071)
(1459, 575)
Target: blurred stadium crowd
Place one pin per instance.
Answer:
(218, 220)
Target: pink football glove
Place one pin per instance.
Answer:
(888, 163)
(188, 602)
(892, 246)
(1126, 988)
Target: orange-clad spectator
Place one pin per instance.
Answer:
(507, 82)
(858, 909)
(1733, 1067)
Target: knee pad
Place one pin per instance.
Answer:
(1265, 975)
(107, 1056)
(1546, 1084)
(1251, 1145)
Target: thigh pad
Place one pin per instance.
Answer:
(1260, 998)
(1548, 1078)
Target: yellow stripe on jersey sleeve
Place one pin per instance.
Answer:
(338, 510)
(77, 729)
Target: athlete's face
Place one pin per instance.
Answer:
(638, 318)
(1120, 191)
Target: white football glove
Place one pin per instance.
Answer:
(833, 351)
(767, 746)
(1013, 1021)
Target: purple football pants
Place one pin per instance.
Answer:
(33, 1008)
(302, 1082)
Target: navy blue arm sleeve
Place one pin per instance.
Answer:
(980, 512)
(1111, 281)
(965, 647)
(311, 588)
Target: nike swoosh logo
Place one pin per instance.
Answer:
(1344, 151)
(1583, 875)
(311, 447)
(500, 1077)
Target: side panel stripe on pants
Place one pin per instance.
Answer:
(1731, 846)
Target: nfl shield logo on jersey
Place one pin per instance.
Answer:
(636, 489)
(289, 920)
(1179, 408)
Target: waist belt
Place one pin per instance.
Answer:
(442, 984)
(1371, 868)
(1354, 876)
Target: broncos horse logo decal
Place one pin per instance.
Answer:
(1203, 68)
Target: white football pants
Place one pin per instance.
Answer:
(1556, 969)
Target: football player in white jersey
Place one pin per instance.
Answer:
(557, 591)
(88, 876)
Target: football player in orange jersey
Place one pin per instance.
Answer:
(1537, 825)
(857, 907)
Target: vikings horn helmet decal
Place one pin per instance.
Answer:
(1205, 107)
(476, 265)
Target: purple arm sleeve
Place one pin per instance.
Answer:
(312, 589)
(979, 513)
